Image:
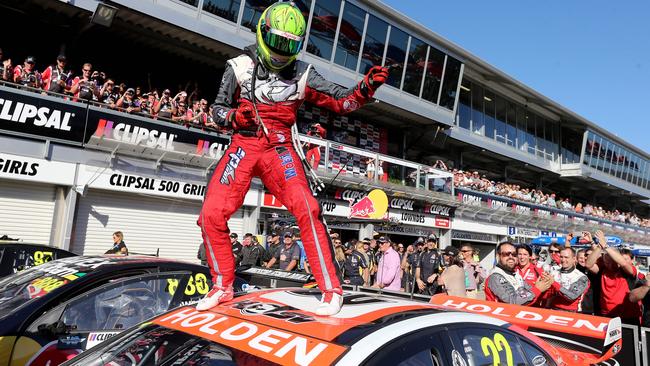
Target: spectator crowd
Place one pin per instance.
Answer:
(96, 87)
(475, 181)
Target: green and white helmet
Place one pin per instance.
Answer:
(280, 35)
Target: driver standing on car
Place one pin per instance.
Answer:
(259, 96)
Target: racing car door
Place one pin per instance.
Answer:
(484, 344)
(90, 318)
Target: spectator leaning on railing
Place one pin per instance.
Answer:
(26, 75)
(55, 77)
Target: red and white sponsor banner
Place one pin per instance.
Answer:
(275, 345)
(342, 209)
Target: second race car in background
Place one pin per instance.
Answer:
(16, 256)
(54, 311)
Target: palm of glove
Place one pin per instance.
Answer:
(376, 76)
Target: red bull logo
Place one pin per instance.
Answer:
(372, 206)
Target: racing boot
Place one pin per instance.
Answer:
(215, 297)
(330, 303)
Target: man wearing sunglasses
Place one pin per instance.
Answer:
(259, 96)
(506, 285)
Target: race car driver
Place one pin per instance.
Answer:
(506, 285)
(262, 146)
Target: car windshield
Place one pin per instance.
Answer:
(155, 345)
(24, 287)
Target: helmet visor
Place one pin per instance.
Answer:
(282, 43)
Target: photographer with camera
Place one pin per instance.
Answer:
(55, 77)
(26, 75)
(164, 106)
(108, 94)
(313, 150)
(85, 87)
(128, 102)
(5, 68)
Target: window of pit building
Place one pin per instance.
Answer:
(500, 122)
(374, 44)
(415, 65)
(194, 3)
(323, 28)
(477, 110)
(254, 9)
(433, 75)
(489, 105)
(450, 83)
(227, 9)
(396, 55)
(350, 33)
(465, 105)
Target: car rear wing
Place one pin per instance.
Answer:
(599, 337)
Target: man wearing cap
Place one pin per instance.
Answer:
(356, 266)
(389, 273)
(26, 75)
(55, 77)
(273, 247)
(288, 255)
(237, 246)
(453, 277)
(428, 267)
(128, 102)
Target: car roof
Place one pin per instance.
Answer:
(291, 312)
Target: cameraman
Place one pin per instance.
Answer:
(108, 94)
(164, 106)
(128, 102)
(26, 75)
(55, 77)
(313, 150)
(85, 87)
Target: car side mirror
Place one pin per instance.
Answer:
(55, 329)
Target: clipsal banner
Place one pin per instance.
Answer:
(40, 116)
(106, 127)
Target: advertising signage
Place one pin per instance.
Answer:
(394, 203)
(41, 117)
(106, 126)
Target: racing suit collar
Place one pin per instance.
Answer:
(287, 72)
(562, 270)
(506, 270)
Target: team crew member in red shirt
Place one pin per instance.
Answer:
(617, 273)
(567, 293)
(55, 77)
(528, 271)
(26, 75)
(505, 285)
(259, 96)
(83, 87)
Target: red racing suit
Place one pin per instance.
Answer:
(272, 158)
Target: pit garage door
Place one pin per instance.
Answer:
(149, 224)
(26, 210)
